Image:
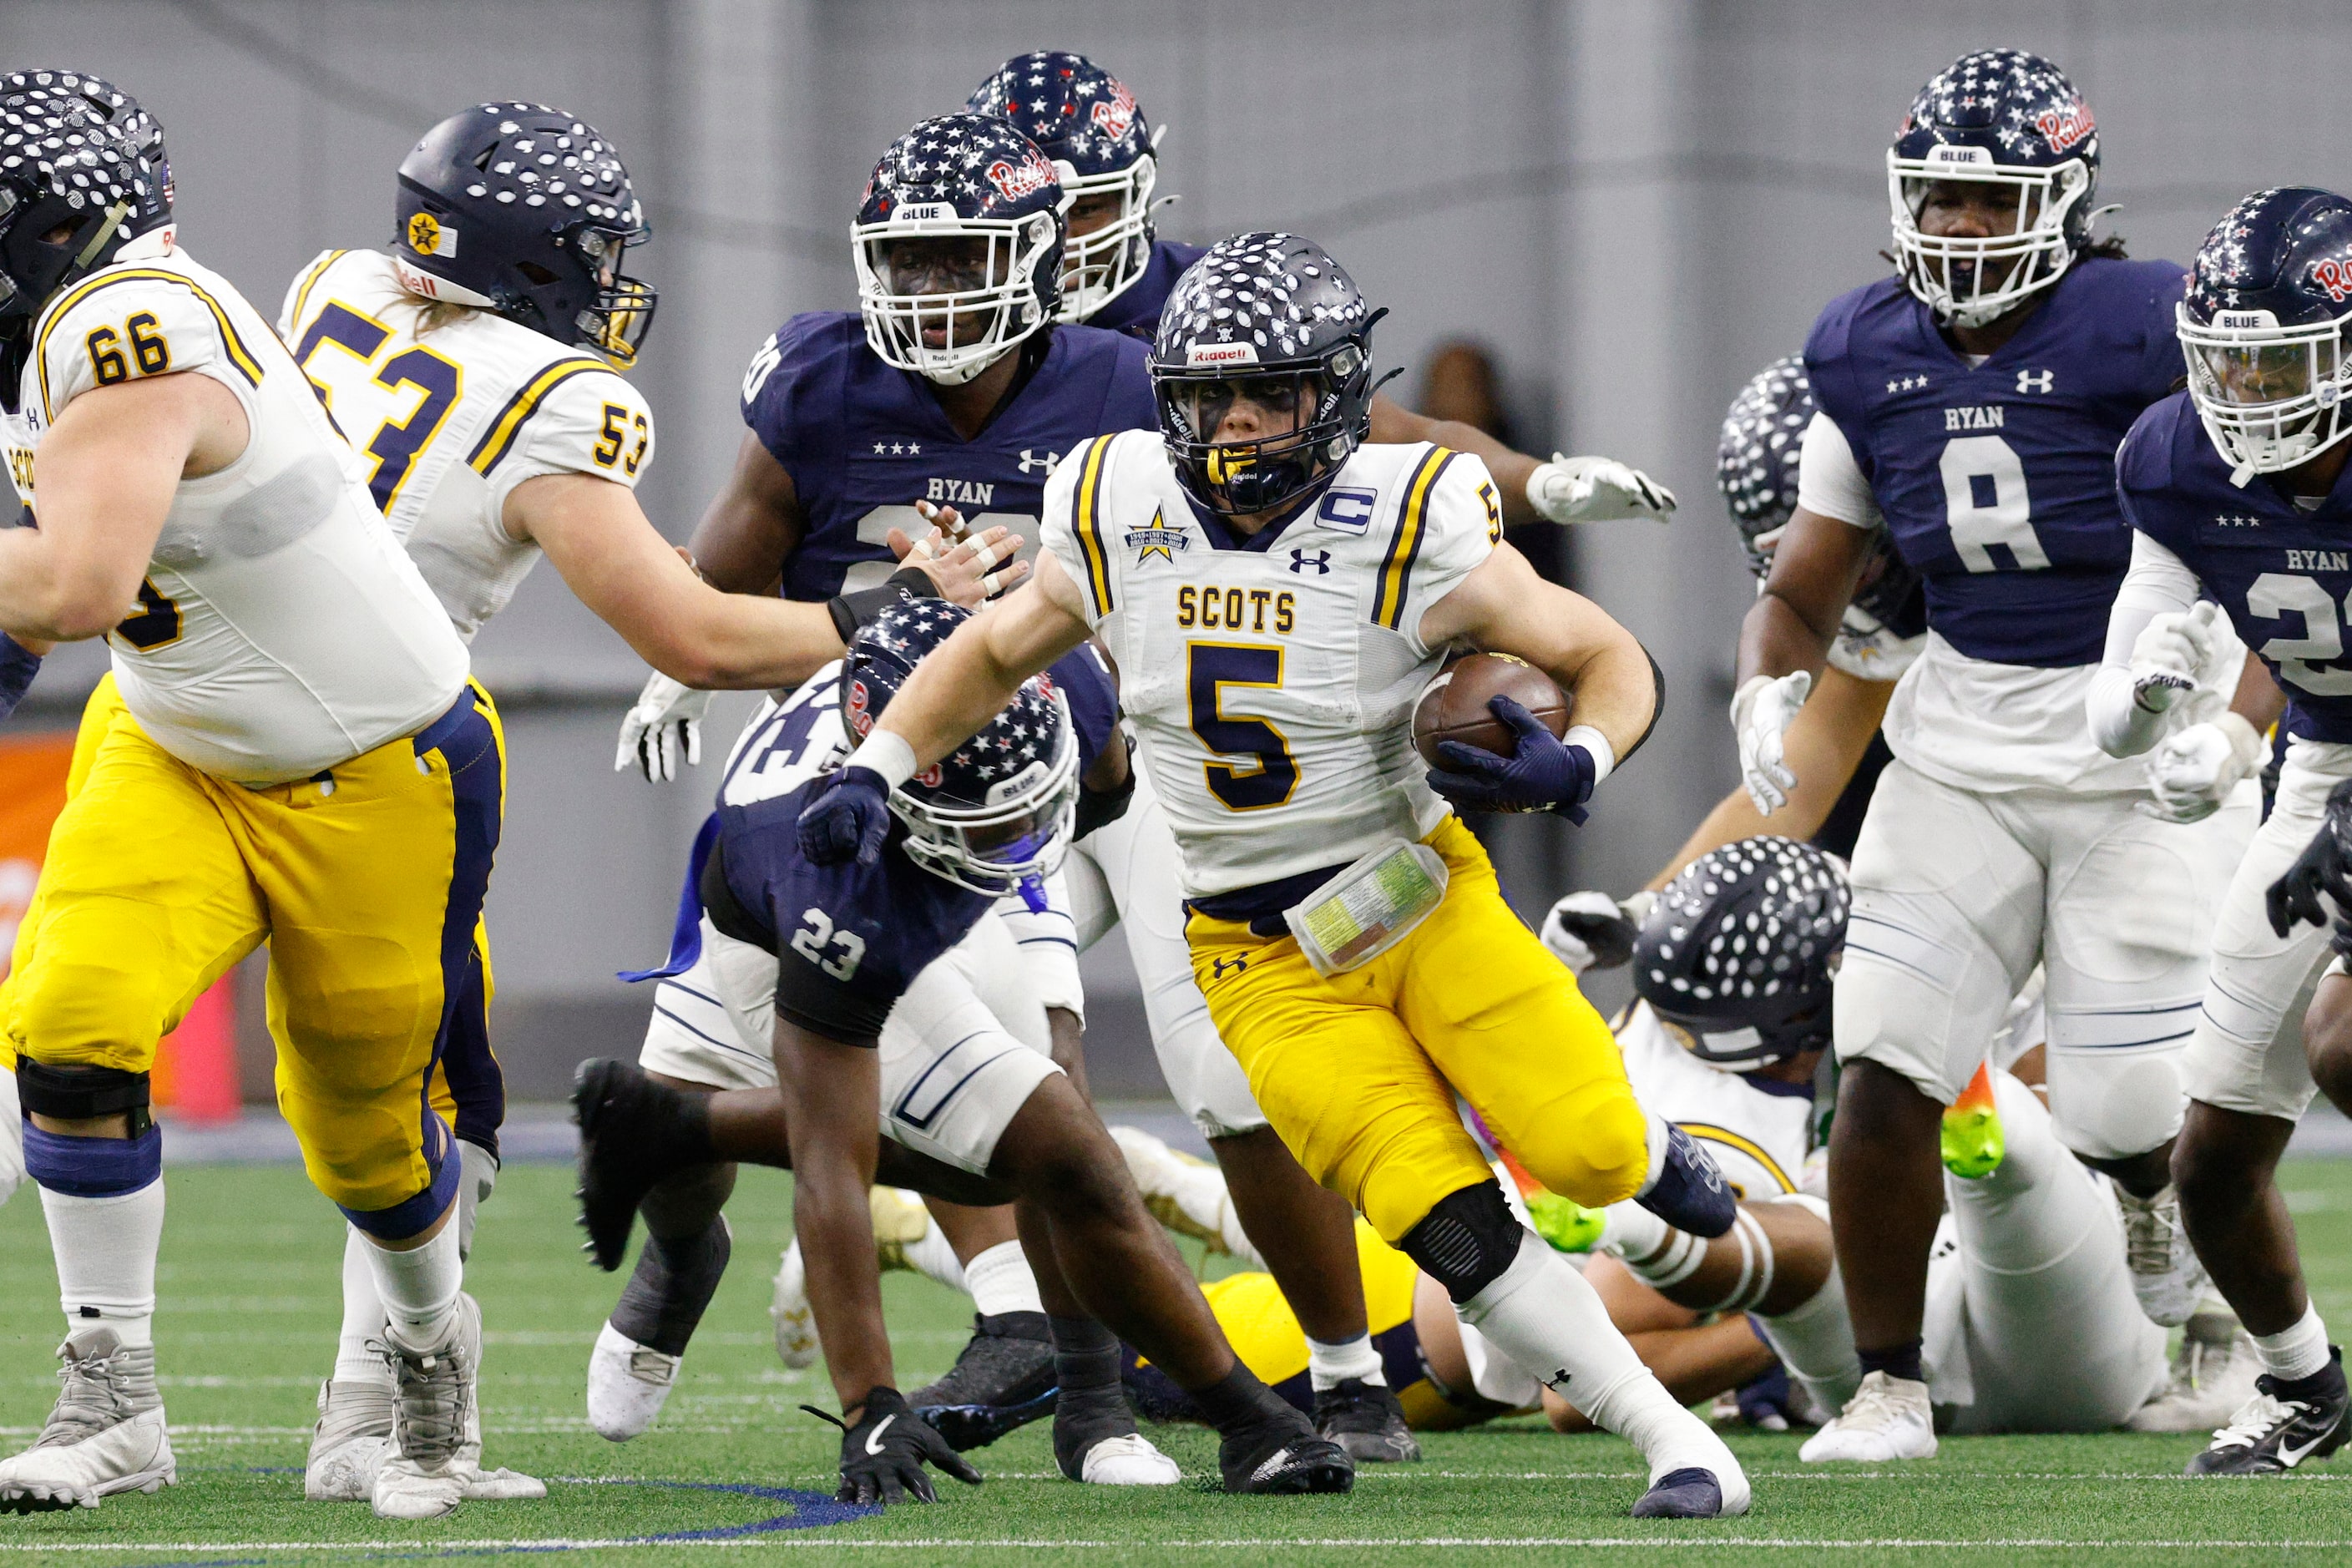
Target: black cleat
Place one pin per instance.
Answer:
(633, 1133)
(1277, 1456)
(1682, 1494)
(2282, 1425)
(1366, 1421)
(1002, 1381)
(1690, 1193)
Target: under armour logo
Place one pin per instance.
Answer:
(1029, 459)
(1217, 967)
(2034, 379)
(1321, 561)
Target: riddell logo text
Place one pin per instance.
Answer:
(1013, 180)
(1221, 353)
(2065, 127)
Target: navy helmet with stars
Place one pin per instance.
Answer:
(77, 154)
(1089, 123)
(525, 211)
(1273, 319)
(959, 246)
(2010, 119)
(2264, 326)
(996, 812)
(1737, 955)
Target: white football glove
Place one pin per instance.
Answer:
(2192, 771)
(667, 721)
(1593, 931)
(1595, 490)
(2168, 653)
(1760, 711)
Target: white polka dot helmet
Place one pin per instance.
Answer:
(80, 154)
(1737, 954)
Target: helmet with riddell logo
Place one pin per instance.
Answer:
(2009, 119)
(2265, 325)
(526, 212)
(959, 247)
(1737, 954)
(1089, 123)
(1272, 319)
(996, 812)
(79, 155)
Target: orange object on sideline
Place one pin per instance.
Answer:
(32, 792)
(195, 1066)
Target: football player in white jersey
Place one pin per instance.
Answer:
(1274, 596)
(476, 368)
(288, 751)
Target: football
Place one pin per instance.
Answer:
(1453, 706)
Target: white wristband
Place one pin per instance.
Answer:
(886, 754)
(1596, 746)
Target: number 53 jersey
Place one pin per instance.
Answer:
(1271, 676)
(450, 420)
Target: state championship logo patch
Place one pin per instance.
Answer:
(1158, 539)
(428, 235)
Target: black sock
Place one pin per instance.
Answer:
(1091, 1405)
(1900, 1361)
(675, 1279)
(683, 1134)
(1086, 1355)
(1239, 1399)
(1018, 1325)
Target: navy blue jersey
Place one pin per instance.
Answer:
(863, 441)
(2283, 574)
(1135, 309)
(1998, 481)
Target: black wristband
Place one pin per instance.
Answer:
(851, 611)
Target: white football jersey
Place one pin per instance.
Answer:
(450, 423)
(1272, 679)
(281, 630)
(1758, 1131)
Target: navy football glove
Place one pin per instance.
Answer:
(1542, 772)
(848, 819)
(2323, 867)
(18, 665)
(882, 1457)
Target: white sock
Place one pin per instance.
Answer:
(2293, 1352)
(105, 1250)
(419, 1287)
(1327, 1365)
(935, 1259)
(355, 1361)
(1000, 1281)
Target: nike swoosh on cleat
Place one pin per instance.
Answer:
(874, 1439)
(2291, 1457)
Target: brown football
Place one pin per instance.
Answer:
(1453, 706)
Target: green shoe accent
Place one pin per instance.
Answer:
(1971, 1142)
(1568, 1224)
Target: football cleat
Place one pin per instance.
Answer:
(631, 1135)
(349, 1440)
(1128, 1461)
(2282, 1425)
(1690, 1493)
(1971, 1138)
(796, 1344)
(627, 1384)
(2213, 1376)
(1365, 1420)
(2165, 1273)
(1279, 1454)
(1688, 1192)
(105, 1435)
(436, 1419)
(1095, 1441)
(1002, 1380)
(1887, 1418)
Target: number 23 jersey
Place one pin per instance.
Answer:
(1272, 679)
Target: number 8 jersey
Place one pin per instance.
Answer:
(1272, 678)
(449, 421)
(1995, 480)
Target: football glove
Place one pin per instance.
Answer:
(665, 725)
(18, 665)
(1595, 490)
(882, 1454)
(2168, 653)
(1543, 772)
(2323, 867)
(1761, 711)
(848, 818)
(1593, 931)
(2192, 771)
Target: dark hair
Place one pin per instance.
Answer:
(2111, 248)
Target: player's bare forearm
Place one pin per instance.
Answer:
(2258, 699)
(1394, 423)
(1815, 569)
(1823, 748)
(830, 1091)
(751, 525)
(968, 680)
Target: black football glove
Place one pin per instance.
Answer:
(882, 1457)
(2323, 867)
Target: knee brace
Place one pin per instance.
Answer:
(1467, 1240)
(84, 1093)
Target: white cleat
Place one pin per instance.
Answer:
(349, 1441)
(1128, 1461)
(2165, 1273)
(105, 1434)
(1887, 1418)
(627, 1384)
(796, 1344)
(437, 1434)
(2214, 1374)
(1185, 1193)
(502, 1486)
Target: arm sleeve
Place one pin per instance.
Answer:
(594, 423)
(1085, 559)
(2157, 583)
(1461, 522)
(1829, 481)
(1049, 946)
(133, 327)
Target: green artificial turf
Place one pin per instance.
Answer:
(247, 1328)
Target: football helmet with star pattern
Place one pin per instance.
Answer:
(2266, 325)
(1089, 124)
(80, 154)
(959, 247)
(1737, 955)
(2009, 119)
(996, 812)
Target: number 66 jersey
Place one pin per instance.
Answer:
(1271, 676)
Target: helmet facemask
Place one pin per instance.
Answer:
(1016, 839)
(1302, 410)
(615, 320)
(2270, 398)
(1101, 264)
(1969, 279)
(946, 297)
